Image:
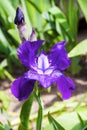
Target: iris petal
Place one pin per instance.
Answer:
(22, 88)
(46, 70)
(58, 56)
(45, 80)
(65, 86)
(43, 63)
(27, 52)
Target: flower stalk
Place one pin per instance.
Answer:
(40, 104)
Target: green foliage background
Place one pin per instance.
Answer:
(53, 20)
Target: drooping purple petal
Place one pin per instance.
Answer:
(58, 56)
(27, 52)
(65, 86)
(22, 87)
(45, 80)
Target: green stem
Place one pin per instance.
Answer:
(8, 75)
(25, 113)
(40, 110)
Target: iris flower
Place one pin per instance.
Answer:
(44, 68)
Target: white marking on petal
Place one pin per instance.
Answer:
(40, 71)
(49, 71)
(43, 62)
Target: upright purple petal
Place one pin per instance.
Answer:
(27, 52)
(22, 87)
(65, 86)
(58, 56)
(43, 62)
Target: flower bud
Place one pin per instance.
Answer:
(20, 22)
(19, 18)
(22, 28)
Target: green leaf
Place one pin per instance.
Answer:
(81, 120)
(7, 127)
(5, 99)
(83, 6)
(56, 125)
(35, 6)
(23, 2)
(1, 127)
(15, 3)
(73, 17)
(70, 121)
(7, 74)
(4, 72)
(25, 113)
(3, 39)
(14, 34)
(8, 8)
(79, 49)
(39, 118)
(48, 127)
(81, 101)
(3, 63)
(75, 67)
(40, 111)
(85, 128)
(61, 21)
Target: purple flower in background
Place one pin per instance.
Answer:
(46, 69)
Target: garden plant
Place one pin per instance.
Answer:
(39, 51)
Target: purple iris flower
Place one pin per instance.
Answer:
(46, 69)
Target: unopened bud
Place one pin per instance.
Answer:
(19, 18)
(22, 28)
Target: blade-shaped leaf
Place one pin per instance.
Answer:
(3, 63)
(37, 8)
(5, 99)
(25, 113)
(83, 6)
(26, 15)
(14, 34)
(40, 111)
(39, 118)
(81, 120)
(70, 121)
(85, 128)
(1, 127)
(73, 17)
(79, 49)
(55, 124)
(61, 20)
(7, 127)
(48, 127)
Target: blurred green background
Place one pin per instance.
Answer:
(53, 20)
